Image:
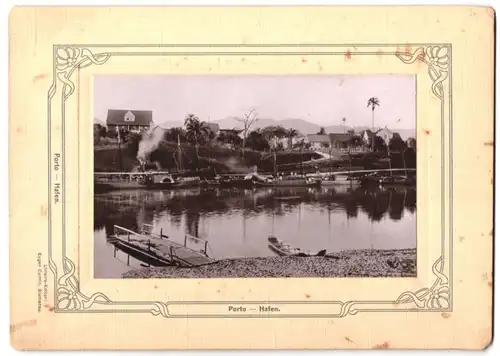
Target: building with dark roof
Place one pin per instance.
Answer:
(131, 120)
(213, 127)
(318, 141)
(340, 140)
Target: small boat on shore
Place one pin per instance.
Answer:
(284, 249)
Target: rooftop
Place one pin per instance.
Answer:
(129, 117)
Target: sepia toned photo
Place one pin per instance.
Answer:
(235, 188)
(254, 176)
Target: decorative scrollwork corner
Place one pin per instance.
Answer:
(437, 59)
(160, 308)
(347, 309)
(68, 295)
(67, 59)
(437, 297)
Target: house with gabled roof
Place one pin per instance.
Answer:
(130, 120)
(340, 140)
(318, 141)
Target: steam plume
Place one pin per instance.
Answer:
(236, 166)
(149, 142)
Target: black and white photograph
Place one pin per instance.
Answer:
(254, 176)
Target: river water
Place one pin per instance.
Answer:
(237, 223)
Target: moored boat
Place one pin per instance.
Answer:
(160, 181)
(339, 180)
(397, 180)
(378, 179)
(289, 181)
(284, 249)
(186, 182)
(213, 183)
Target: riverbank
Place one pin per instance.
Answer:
(353, 263)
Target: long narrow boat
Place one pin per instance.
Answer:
(339, 180)
(236, 183)
(289, 181)
(284, 249)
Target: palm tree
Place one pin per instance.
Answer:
(291, 133)
(196, 131)
(343, 122)
(373, 102)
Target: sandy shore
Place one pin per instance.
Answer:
(356, 263)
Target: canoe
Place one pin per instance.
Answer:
(289, 183)
(284, 249)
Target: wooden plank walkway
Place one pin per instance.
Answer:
(173, 251)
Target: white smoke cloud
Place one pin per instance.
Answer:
(149, 142)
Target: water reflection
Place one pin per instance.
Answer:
(236, 223)
(130, 209)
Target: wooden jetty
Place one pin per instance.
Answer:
(159, 247)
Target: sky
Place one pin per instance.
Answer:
(323, 100)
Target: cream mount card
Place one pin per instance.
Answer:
(227, 180)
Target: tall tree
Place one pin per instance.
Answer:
(279, 133)
(343, 122)
(196, 132)
(412, 143)
(269, 133)
(97, 133)
(249, 119)
(175, 134)
(230, 137)
(322, 131)
(257, 141)
(291, 133)
(372, 103)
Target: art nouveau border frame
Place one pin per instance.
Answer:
(68, 297)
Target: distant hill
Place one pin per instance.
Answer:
(303, 126)
(298, 124)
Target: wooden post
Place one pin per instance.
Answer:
(161, 233)
(128, 236)
(185, 240)
(149, 245)
(114, 254)
(206, 242)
